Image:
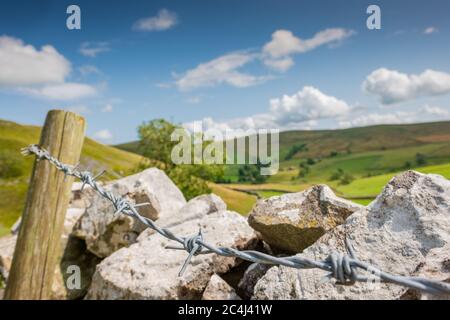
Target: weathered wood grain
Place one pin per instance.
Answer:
(37, 248)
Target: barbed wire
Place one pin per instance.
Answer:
(342, 267)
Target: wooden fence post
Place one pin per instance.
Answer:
(38, 243)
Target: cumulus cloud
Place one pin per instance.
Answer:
(92, 49)
(23, 65)
(38, 72)
(307, 104)
(164, 20)
(284, 44)
(301, 110)
(104, 135)
(392, 86)
(430, 30)
(61, 91)
(221, 70)
(423, 114)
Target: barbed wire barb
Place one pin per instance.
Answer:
(343, 267)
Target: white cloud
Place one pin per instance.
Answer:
(298, 111)
(433, 110)
(430, 30)
(61, 91)
(23, 65)
(107, 108)
(276, 55)
(92, 49)
(392, 86)
(378, 118)
(284, 44)
(307, 104)
(39, 73)
(164, 20)
(281, 64)
(104, 135)
(423, 114)
(221, 70)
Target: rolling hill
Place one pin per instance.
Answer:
(15, 169)
(359, 151)
(370, 156)
(320, 143)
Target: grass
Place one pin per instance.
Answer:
(369, 163)
(372, 186)
(237, 201)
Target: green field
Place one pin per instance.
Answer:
(13, 137)
(371, 186)
(371, 155)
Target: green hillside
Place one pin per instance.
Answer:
(362, 139)
(320, 143)
(368, 157)
(15, 169)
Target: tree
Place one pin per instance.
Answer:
(156, 145)
(154, 140)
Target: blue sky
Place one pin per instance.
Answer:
(234, 64)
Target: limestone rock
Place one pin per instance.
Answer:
(437, 264)
(196, 208)
(82, 198)
(218, 289)
(294, 221)
(399, 233)
(105, 232)
(7, 245)
(146, 270)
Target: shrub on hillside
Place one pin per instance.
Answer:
(156, 145)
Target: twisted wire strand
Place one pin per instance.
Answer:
(342, 267)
